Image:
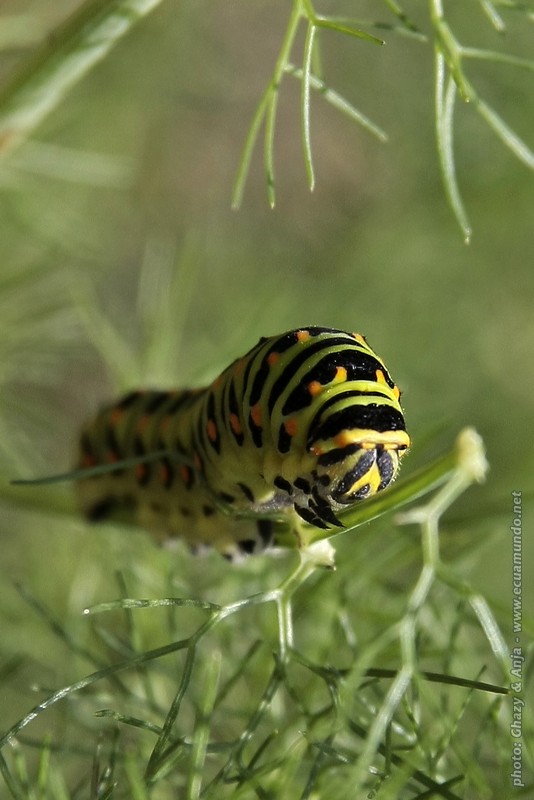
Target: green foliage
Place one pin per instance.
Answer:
(121, 265)
(367, 728)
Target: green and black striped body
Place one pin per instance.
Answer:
(304, 425)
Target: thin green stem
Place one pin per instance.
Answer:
(89, 680)
(285, 626)
(493, 15)
(445, 92)
(273, 97)
(200, 737)
(471, 466)
(494, 55)
(339, 102)
(81, 42)
(450, 52)
(305, 103)
(248, 149)
(449, 47)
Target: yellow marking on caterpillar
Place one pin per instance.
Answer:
(192, 444)
(380, 377)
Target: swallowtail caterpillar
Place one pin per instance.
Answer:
(304, 425)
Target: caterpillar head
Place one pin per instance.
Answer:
(352, 463)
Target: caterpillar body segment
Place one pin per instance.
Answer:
(307, 423)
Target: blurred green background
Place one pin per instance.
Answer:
(117, 212)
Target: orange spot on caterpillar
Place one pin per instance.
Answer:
(164, 474)
(235, 424)
(143, 422)
(87, 460)
(291, 426)
(165, 423)
(211, 430)
(341, 439)
(115, 416)
(185, 474)
(238, 366)
(315, 388)
(303, 336)
(272, 358)
(396, 392)
(140, 472)
(359, 338)
(340, 376)
(255, 413)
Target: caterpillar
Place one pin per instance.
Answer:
(304, 425)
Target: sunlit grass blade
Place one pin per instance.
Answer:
(75, 47)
